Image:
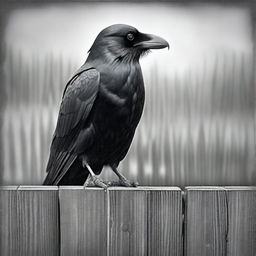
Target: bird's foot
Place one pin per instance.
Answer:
(94, 181)
(124, 183)
(122, 180)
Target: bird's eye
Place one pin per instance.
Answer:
(130, 36)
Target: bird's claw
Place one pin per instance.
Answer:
(123, 183)
(96, 182)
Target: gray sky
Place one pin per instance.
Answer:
(193, 31)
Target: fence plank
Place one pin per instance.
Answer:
(83, 220)
(38, 232)
(205, 221)
(145, 221)
(164, 222)
(242, 221)
(128, 222)
(8, 220)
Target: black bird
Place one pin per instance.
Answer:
(101, 107)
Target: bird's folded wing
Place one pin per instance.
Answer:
(77, 102)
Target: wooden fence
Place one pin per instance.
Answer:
(152, 221)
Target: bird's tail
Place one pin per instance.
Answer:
(65, 169)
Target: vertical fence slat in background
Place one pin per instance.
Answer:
(83, 220)
(145, 221)
(8, 220)
(242, 221)
(164, 221)
(38, 218)
(127, 222)
(205, 221)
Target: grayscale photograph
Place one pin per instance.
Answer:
(127, 128)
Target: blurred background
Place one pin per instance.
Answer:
(197, 127)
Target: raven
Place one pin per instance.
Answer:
(101, 107)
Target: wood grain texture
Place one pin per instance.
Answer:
(83, 221)
(38, 218)
(8, 220)
(205, 221)
(242, 221)
(127, 222)
(145, 221)
(164, 221)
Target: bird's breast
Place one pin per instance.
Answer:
(117, 111)
(121, 98)
(122, 88)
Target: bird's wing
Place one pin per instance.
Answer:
(76, 105)
(77, 101)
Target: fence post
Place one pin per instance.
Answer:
(165, 221)
(241, 238)
(127, 222)
(8, 220)
(205, 221)
(220, 221)
(145, 221)
(37, 221)
(83, 221)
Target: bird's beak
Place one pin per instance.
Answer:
(151, 42)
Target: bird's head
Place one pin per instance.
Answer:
(123, 43)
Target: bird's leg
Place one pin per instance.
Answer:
(122, 180)
(93, 179)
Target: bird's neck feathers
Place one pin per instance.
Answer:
(113, 54)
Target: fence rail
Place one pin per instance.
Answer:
(157, 221)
